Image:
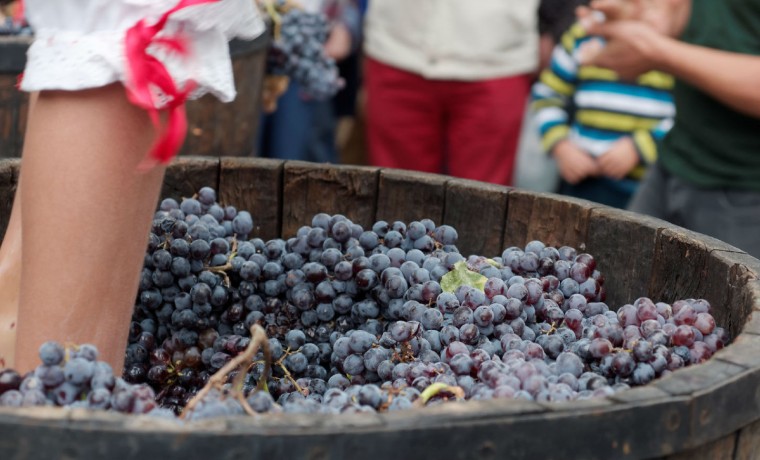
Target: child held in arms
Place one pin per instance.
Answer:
(601, 129)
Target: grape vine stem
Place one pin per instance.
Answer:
(259, 341)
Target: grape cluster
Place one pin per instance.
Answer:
(75, 378)
(369, 320)
(298, 52)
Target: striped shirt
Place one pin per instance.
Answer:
(593, 108)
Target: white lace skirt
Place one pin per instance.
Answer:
(79, 44)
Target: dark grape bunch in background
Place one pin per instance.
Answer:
(380, 319)
(297, 51)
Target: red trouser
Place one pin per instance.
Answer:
(464, 129)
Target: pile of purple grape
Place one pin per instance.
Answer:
(382, 319)
(74, 378)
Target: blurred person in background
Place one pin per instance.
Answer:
(446, 84)
(335, 113)
(601, 130)
(534, 170)
(303, 128)
(554, 19)
(707, 177)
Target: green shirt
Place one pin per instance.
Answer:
(711, 145)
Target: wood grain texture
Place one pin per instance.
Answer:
(725, 407)
(309, 189)
(13, 114)
(721, 449)
(216, 128)
(254, 185)
(8, 181)
(623, 245)
(478, 211)
(690, 265)
(186, 175)
(407, 196)
(692, 379)
(553, 219)
(748, 444)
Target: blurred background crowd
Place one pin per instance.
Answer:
(510, 93)
(515, 93)
(492, 93)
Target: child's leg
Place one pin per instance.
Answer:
(86, 216)
(10, 279)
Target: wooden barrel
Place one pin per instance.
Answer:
(708, 411)
(214, 128)
(13, 103)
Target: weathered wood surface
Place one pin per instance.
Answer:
(721, 449)
(186, 175)
(409, 196)
(478, 211)
(309, 189)
(553, 219)
(254, 185)
(13, 113)
(748, 444)
(752, 322)
(13, 103)
(8, 181)
(216, 128)
(13, 53)
(612, 233)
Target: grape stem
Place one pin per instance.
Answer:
(405, 354)
(259, 341)
(222, 270)
(288, 375)
(436, 389)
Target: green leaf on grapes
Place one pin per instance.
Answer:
(462, 276)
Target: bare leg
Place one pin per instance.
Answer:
(10, 280)
(10, 275)
(86, 215)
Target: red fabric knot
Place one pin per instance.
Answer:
(151, 87)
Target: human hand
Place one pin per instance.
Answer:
(338, 44)
(668, 17)
(620, 159)
(609, 10)
(573, 163)
(631, 48)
